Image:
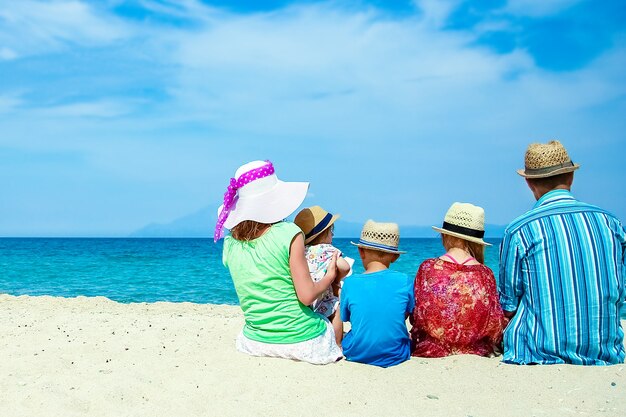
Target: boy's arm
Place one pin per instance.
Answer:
(344, 309)
(411, 303)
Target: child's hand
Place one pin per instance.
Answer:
(343, 267)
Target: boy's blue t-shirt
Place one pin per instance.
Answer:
(376, 306)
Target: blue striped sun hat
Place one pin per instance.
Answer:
(314, 221)
(383, 237)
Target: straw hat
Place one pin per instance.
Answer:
(546, 160)
(313, 221)
(465, 221)
(264, 199)
(383, 237)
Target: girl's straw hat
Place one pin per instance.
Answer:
(256, 193)
(546, 160)
(383, 237)
(313, 221)
(465, 221)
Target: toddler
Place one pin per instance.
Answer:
(317, 226)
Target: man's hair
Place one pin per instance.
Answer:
(550, 183)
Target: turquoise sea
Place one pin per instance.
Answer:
(137, 270)
(148, 270)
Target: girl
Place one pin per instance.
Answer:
(457, 309)
(265, 257)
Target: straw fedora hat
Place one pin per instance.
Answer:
(465, 221)
(264, 198)
(383, 237)
(313, 221)
(546, 160)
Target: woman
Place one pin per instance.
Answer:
(265, 257)
(457, 309)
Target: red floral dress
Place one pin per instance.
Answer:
(457, 310)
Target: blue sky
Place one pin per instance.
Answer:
(115, 114)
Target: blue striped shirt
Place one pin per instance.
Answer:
(562, 271)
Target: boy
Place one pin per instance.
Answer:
(377, 302)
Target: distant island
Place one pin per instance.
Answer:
(201, 223)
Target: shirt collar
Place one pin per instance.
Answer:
(553, 196)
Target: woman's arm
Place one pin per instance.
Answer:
(306, 289)
(417, 283)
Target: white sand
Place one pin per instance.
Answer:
(95, 357)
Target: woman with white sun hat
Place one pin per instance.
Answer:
(265, 257)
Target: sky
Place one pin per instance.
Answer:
(116, 114)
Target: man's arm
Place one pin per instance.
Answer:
(622, 237)
(508, 314)
(510, 286)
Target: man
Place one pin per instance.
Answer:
(562, 272)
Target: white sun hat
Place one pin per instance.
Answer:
(256, 193)
(466, 221)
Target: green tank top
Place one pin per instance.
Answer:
(262, 278)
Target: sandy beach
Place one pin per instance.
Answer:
(95, 357)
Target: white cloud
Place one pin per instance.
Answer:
(9, 102)
(395, 93)
(321, 70)
(183, 9)
(436, 12)
(7, 54)
(538, 8)
(310, 61)
(100, 109)
(30, 26)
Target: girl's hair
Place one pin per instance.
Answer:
(475, 249)
(248, 230)
(322, 236)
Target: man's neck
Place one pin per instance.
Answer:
(540, 194)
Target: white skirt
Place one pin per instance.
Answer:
(320, 350)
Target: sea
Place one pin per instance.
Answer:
(149, 269)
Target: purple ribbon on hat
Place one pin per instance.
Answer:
(231, 192)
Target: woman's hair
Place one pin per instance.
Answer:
(248, 230)
(475, 249)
